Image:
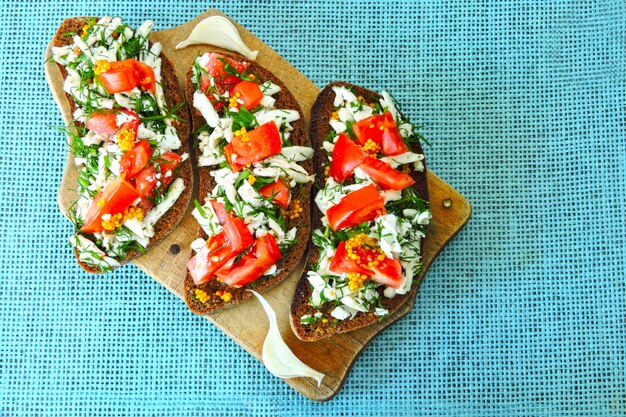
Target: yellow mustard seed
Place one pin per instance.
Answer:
(202, 296)
(356, 280)
(133, 212)
(113, 222)
(101, 66)
(371, 147)
(126, 140)
(294, 213)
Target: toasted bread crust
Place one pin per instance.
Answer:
(321, 114)
(173, 96)
(299, 137)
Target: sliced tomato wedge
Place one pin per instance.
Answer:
(382, 130)
(238, 234)
(145, 76)
(362, 205)
(119, 80)
(388, 271)
(278, 192)
(146, 181)
(263, 142)
(168, 161)
(136, 159)
(249, 92)
(220, 210)
(228, 153)
(385, 176)
(209, 259)
(116, 197)
(221, 249)
(341, 263)
(347, 155)
(262, 255)
(104, 122)
(145, 204)
(126, 75)
(223, 81)
(133, 124)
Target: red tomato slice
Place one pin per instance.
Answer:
(388, 271)
(220, 210)
(362, 205)
(249, 92)
(385, 176)
(347, 155)
(267, 250)
(263, 142)
(341, 263)
(235, 228)
(209, 259)
(118, 81)
(168, 161)
(104, 122)
(116, 197)
(228, 153)
(132, 125)
(278, 191)
(382, 129)
(145, 204)
(238, 234)
(223, 81)
(247, 270)
(145, 182)
(222, 248)
(136, 159)
(126, 75)
(262, 255)
(145, 76)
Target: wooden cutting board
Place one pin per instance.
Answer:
(247, 324)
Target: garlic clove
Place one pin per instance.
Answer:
(218, 31)
(277, 357)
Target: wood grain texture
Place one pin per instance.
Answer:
(247, 324)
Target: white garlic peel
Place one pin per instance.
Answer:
(218, 31)
(277, 357)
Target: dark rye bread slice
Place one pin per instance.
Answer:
(320, 116)
(299, 137)
(173, 96)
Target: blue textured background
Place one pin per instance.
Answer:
(522, 315)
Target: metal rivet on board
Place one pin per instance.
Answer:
(174, 249)
(447, 203)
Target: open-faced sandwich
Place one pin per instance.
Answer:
(370, 213)
(254, 172)
(129, 138)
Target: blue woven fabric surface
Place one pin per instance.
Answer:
(523, 314)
